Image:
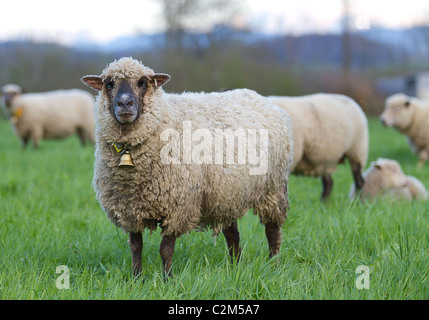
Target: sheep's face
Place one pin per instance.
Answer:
(125, 83)
(9, 92)
(398, 112)
(126, 98)
(390, 173)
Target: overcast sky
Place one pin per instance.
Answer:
(106, 20)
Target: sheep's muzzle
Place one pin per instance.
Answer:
(125, 104)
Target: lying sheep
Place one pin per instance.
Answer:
(327, 128)
(410, 116)
(152, 132)
(52, 115)
(385, 178)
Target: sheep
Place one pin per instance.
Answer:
(53, 115)
(410, 116)
(327, 128)
(163, 185)
(385, 178)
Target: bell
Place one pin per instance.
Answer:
(126, 160)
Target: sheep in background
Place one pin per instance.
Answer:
(166, 187)
(385, 178)
(9, 91)
(52, 115)
(327, 128)
(410, 116)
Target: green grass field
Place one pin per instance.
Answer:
(49, 217)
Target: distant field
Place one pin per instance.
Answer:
(49, 217)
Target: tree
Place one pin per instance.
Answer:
(192, 15)
(346, 45)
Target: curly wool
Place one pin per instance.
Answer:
(183, 197)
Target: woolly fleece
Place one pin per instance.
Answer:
(183, 197)
(385, 178)
(54, 115)
(326, 127)
(410, 116)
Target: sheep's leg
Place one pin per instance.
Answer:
(136, 246)
(81, 134)
(357, 174)
(25, 141)
(166, 250)
(36, 136)
(273, 233)
(327, 183)
(232, 237)
(423, 156)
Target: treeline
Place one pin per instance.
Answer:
(209, 62)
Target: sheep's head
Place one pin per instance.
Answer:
(390, 173)
(398, 112)
(9, 92)
(125, 83)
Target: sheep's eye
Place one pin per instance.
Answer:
(110, 84)
(407, 103)
(142, 83)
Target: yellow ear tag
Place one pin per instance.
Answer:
(16, 116)
(116, 148)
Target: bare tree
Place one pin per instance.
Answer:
(346, 45)
(196, 14)
(186, 15)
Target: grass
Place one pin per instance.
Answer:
(49, 217)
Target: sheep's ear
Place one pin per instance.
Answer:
(95, 82)
(159, 79)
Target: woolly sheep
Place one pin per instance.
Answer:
(327, 128)
(385, 178)
(410, 116)
(135, 115)
(53, 115)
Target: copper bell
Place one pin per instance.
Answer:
(126, 160)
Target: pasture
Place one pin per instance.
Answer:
(49, 217)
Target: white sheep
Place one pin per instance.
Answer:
(410, 116)
(179, 173)
(327, 128)
(53, 115)
(385, 178)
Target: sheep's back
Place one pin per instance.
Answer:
(326, 126)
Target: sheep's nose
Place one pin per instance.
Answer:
(383, 121)
(125, 100)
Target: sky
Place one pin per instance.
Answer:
(103, 21)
